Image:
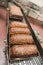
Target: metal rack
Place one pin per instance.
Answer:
(32, 60)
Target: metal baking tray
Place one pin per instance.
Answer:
(32, 60)
(17, 61)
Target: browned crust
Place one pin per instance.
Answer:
(21, 39)
(22, 50)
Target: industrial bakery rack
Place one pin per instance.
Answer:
(37, 60)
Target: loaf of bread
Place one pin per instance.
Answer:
(14, 10)
(21, 39)
(19, 31)
(17, 51)
(18, 24)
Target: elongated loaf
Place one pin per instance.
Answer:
(14, 10)
(21, 39)
(22, 51)
(18, 24)
(19, 31)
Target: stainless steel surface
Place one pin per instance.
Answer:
(31, 61)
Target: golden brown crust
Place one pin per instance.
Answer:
(14, 10)
(22, 50)
(19, 31)
(18, 24)
(21, 39)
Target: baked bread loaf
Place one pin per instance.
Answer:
(22, 51)
(14, 10)
(19, 31)
(21, 39)
(18, 24)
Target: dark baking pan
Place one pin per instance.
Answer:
(16, 18)
(10, 45)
